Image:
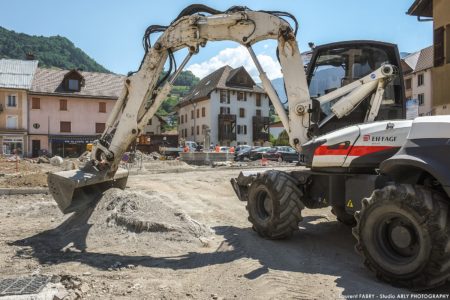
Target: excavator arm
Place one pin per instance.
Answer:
(144, 91)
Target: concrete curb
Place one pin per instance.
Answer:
(23, 191)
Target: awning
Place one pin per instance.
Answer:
(73, 139)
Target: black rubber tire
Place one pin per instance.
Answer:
(342, 216)
(284, 197)
(425, 213)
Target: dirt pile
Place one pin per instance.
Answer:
(139, 212)
(124, 221)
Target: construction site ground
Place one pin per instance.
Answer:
(178, 232)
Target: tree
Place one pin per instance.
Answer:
(283, 139)
(54, 51)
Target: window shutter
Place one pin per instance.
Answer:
(439, 46)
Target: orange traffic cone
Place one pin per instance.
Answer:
(263, 161)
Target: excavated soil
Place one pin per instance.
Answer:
(34, 179)
(153, 241)
(124, 220)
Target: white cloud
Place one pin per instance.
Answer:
(236, 57)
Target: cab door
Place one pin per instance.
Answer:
(335, 65)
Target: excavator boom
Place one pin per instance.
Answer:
(144, 91)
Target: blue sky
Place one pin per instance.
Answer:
(111, 31)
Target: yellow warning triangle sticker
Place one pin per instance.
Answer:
(350, 204)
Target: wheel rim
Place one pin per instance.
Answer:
(397, 238)
(264, 206)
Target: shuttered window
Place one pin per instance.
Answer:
(65, 127)
(102, 107)
(62, 104)
(447, 43)
(439, 46)
(408, 84)
(99, 127)
(35, 103)
(258, 99)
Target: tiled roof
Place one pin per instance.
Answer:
(420, 60)
(17, 74)
(233, 72)
(217, 79)
(96, 85)
(425, 59)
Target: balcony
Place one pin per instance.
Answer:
(261, 120)
(261, 128)
(227, 127)
(227, 118)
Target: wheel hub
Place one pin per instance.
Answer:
(401, 236)
(398, 237)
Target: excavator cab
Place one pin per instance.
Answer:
(335, 65)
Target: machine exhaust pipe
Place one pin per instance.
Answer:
(74, 190)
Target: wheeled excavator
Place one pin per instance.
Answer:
(386, 176)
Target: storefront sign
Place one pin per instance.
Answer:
(73, 140)
(12, 139)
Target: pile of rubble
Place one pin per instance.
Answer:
(124, 220)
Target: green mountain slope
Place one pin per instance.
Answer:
(54, 51)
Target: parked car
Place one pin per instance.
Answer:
(258, 152)
(282, 153)
(242, 148)
(242, 154)
(224, 149)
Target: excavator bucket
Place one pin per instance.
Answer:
(74, 190)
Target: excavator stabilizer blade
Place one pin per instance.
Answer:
(75, 189)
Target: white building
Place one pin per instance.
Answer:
(418, 79)
(225, 108)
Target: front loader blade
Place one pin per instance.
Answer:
(75, 189)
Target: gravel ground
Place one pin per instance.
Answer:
(180, 235)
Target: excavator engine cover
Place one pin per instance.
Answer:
(75, 189)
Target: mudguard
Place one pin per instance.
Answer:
(403, 168)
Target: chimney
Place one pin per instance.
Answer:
(29, 56)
